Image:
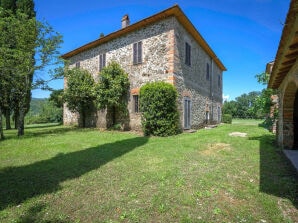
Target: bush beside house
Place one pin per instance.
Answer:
(160, 116)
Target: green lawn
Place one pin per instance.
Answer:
(246, 121)
(63, 174)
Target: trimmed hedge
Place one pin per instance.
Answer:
(160, 116)
(227, 118)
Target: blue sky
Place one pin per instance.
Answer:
(244, 34)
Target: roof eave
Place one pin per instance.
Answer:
(287, 52)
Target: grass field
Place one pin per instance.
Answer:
(254, 122)
(63, 174)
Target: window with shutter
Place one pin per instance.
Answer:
(187, 54)
(102, 61)
(187, 112)
(207, 72)
(137, 53)
(136, 103)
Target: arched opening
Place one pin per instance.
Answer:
(290, 101)
(295, 120)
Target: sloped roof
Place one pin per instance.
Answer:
(173, 11)
(287, 52)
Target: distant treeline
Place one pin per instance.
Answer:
(42, 110)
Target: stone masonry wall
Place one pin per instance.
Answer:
(205, 95)
(155, 65)
(287, 93)
(163, 60)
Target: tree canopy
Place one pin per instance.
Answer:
(111, 89)
(254, 104)
(26, 45)
(79, 93)
(243, 106)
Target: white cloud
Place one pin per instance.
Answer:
(225, 97)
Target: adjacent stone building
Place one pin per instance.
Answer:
(284, 77)
(163, 47)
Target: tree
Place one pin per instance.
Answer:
(43, 111)
(57, 98)
(17, 48)
(13, 7)
(8, 5)
(2, 87)
(263, 78)
(26, 45)
(243, 106)
(111, 90)
(79, 94)
(26, 7)
(264, 103)
(230, 107)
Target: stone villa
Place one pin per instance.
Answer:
(163, 47)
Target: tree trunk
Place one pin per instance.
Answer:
(114, 116)
(16, 118)
(7, 119)
(83, 119)
(82, 113)
(1, 128)
(21, 122)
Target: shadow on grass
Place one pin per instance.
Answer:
(40, 131)
(41, 126)
(277, 176)
(35, 214)
(18, 184)
(52, 131)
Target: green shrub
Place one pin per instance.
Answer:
(160, 116)
(227, 118)
(116, 127)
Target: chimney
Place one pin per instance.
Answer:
(125, 21)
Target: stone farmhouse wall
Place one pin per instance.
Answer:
(191, 81)
(287, 110)
(163, 45)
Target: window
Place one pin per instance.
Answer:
(207, 72)
(137, 53)
(186, 111)
(187, 54)
(219, 114)
(102, 61)
(219, 81)
(78, 64)
(136, 103)
(207, 117)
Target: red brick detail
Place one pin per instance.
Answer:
(172, 80)
(135, 91)
(171, 51)
(186, 94)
